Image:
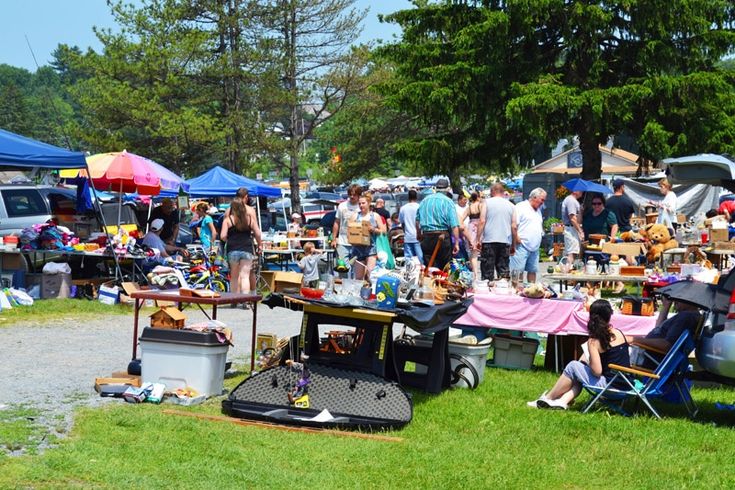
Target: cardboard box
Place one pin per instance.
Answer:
(718, 235)
(627, 249)
(280, 280)
(358, 233)
(13, 261)
(55, 286)
(109, 294)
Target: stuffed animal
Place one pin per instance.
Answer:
(631, 236)
(660, 241)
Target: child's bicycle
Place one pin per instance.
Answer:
(204, 273)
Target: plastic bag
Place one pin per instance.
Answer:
(56, 268)
(21, 297)
(383, 245)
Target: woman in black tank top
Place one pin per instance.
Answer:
(241, 232)
(607, 345)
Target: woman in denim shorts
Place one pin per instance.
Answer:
(366, 254)
(242, 234)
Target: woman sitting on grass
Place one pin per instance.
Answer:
(606, 345)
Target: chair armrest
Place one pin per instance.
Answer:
(637, 372)
(648, 347)
(641, 368)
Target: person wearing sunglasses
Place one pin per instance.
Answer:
(598, 220)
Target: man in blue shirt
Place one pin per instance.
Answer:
(438, 223)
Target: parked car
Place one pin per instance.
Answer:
(716, 346)
(312, 210)
(24, 205)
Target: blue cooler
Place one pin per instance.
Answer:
(386, 291)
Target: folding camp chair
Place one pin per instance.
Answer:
(645, 385)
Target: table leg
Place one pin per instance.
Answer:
(138, 304)
(214, 312)
(252, 337)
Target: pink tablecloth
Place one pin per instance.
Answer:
(557, 317)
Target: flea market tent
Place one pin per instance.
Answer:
(19, 151)
(218, 181)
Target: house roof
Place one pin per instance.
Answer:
(614, 161)
(171, 311)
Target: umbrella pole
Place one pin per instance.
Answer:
(101, 215)
(150, 209)
(257, 210)
(119, 206)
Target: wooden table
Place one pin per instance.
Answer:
(173, 295)
(593, 278)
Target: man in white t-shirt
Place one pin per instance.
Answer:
(528, 230)
(407, 217)
(345, 211)
(494, 232)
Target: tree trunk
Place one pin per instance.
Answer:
(590, 148)
(454, 179)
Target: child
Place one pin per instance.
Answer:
(310, 265)
(207, 231)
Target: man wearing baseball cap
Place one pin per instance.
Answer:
(621, 205)
(153, 240)
(170, 216)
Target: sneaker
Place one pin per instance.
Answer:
(552, 404)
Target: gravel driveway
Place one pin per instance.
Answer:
(52, 367)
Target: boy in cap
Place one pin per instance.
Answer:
(170, 216)
(153, 240)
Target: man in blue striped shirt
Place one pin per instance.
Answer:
(437, 222)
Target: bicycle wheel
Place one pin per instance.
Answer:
(220, 284)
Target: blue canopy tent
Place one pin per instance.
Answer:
(19, 151)
(218, 181)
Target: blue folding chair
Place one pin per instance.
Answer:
(645, 385)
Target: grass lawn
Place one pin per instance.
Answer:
(472, 439)
(40, 312)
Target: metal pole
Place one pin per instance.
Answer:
(101, 215)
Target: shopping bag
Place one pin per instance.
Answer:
(383, 245)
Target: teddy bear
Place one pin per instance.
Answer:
(660, 240)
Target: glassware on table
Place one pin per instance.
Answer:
(705, 237)
(515, 278)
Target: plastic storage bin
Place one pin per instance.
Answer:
(181, 358)
(476, 355)
(514, 352)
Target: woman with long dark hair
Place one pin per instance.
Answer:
(607, 345)
(241, 232)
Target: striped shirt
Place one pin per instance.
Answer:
(437, 213)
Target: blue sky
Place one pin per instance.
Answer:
(48, 23)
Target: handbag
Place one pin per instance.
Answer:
(383, 245)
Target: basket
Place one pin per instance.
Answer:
(445, 290)
(632, 305)
(595, 238)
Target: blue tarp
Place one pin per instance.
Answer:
(19, 151)
(218, 181)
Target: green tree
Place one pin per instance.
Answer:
(312, 71)
(643, 68)
(486, 81)
(14, 111)
(174, 84)
(453, 68)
